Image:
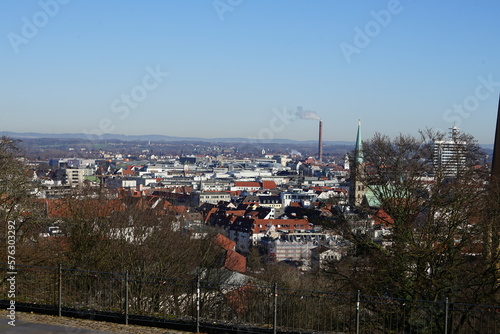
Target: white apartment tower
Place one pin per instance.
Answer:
(449, 155)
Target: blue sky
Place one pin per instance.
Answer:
(240, 68)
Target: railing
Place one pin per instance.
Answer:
(211, 305)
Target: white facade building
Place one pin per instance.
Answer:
(449, 156)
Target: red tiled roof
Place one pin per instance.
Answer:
(320, 188)
(59, 208)
(268, 185)
(176, 208)
(247, 184)
(383, 218)
(210, 213)
(238, 213)
(224, 242)
(235, 262)
(182, 190)
(135, 193)
(284, 224)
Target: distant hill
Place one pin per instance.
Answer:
(35, 135)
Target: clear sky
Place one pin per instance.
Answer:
(240, 68)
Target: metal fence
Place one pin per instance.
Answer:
(211, 305)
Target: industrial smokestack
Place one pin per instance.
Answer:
(320, 142)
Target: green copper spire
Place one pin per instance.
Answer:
(358, 150)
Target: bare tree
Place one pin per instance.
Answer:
(437, 218)
(15, 181)
(21, 216)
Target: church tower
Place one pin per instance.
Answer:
(357, 188)
(495, 168)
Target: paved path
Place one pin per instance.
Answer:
(29, 328)
(27, 323)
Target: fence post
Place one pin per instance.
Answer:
(446, 307)
(275, 308)
(59, 288)
(126, 297)
(358, 301)
(198, 297)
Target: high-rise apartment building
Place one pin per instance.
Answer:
(449, 155)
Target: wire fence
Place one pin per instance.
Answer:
(210, 304)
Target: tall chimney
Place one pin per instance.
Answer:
(320, 142)
(495, 166)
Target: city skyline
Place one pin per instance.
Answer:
(256, 70)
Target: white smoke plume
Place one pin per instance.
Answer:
(307, 114)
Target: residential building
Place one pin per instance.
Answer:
(298, 246)
(246, 186)
(274, 202)
(323, 256)
(449, 156)
(247, 232)
(76, 176)
(298, 195)
(211, 197)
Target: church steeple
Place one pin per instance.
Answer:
(357, 188)
(495, 168)
(358, 150)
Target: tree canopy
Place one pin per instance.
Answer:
(441, 239)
